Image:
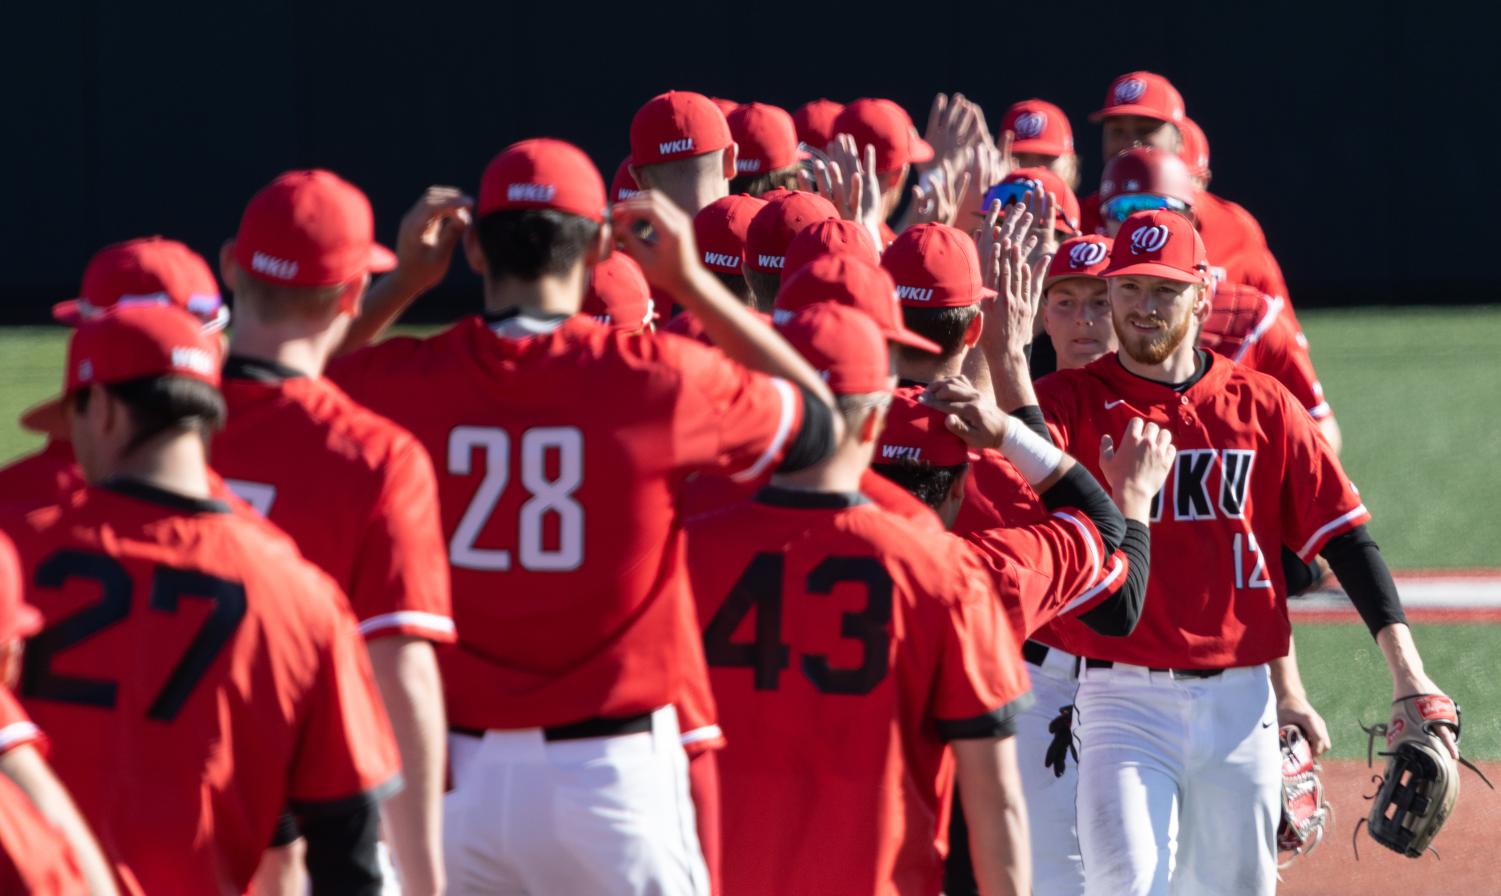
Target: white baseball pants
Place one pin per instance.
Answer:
(600, 815)
(1057, 869)
(1179, 782)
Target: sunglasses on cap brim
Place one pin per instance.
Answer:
(1120, 208)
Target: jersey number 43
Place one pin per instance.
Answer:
(547, 496)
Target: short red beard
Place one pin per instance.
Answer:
(1156, 348)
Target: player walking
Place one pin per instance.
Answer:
(1176, 723)
(562, 447)
(197, 675)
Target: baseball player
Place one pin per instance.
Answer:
(887, 128)
(814, 121)
(619, 296)
(766, 156)
(1177, 723)
(1041, 137)
(575, 631)
(361, 500)
(681, 147)
(45, 845)
(771, 232)
(146, 271)
(848, 651)
(720, 230)
(197, 675)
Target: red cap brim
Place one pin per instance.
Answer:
(67, 313)
(1129, 109)
(1038, 148)
(47, 418)
(1048, 282)
(381, 259)
(921, 150)
(1154, 269)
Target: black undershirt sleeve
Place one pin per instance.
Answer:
(1357, 563)
(1300, 576)
(814, 440)
(1117, 616)
(1032, 416)
(341, 840)
(1077, 488)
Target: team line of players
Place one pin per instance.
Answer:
(752, 602)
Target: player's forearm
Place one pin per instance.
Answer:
(703, 786)
(406, 672)
(1330, 429)
(994, 809)
(382, 305)
(1287, 682)
(1011, 381)
(1403, 660)
(26, 768)
(744, 337)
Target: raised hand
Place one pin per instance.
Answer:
(1137, 467)
(849, 181)
(429, 231)
(938, 197)
(969, 415)
(656, 233)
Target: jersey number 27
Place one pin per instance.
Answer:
(546, 496)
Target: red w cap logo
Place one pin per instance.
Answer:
(1086, 254)
(1130, 90)
(1030, 124)
(1149, 239)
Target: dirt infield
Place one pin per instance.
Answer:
(1470, 844)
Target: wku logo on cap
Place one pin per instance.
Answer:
(672, 146)
(1149, 239)
(915, 293)
(722, 260)
(1030, 124)
(186, 357)
(530, 192)
(1086, 254)
(772, 261)
(1130, 90)
(747, 166)
(901, 452)
(271, 266)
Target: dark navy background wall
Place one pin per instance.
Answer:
(1362, 136)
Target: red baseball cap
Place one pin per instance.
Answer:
(886, 126)
(1082, 256)
(844, 345)
(623, 185)
(1158, 243)
(1065, 213)
(772, 229)
(1146, 169)
(1040, 127)
(1144, 94)
(848, 281)
(725, 106)
(618, 294)
(151, 270)
(916, 432)
(815, 121)
(831, 236)
(677, 125)
(309, 228)
(542, 174)
(765, 138)
(19, 619)
(720, 230)
(935, 266)
(1194, 150)
(131, 343)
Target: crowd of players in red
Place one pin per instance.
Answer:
(713, 556)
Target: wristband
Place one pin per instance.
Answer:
(1033, 457)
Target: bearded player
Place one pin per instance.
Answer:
(1177, 723)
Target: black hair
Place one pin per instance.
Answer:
(764, 286)
(757, 184)
(925, 482)
(530, 244)
(736, 283)
(945, 326)
(160, 403)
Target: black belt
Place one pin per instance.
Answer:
(1035, 652)
(1176, 673)
(595, 727)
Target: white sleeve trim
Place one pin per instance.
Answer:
(1116, 568)
(779, 439)
(1089, 537)
(1320, 411)
(699, 735)
(1326, 529)
(17, 733)
(408, 618)
(1275, 308)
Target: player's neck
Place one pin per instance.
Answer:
(926, 370)
(177, 463)
(841, 472)
(547, 296)
(1178, 367)
(305, 354)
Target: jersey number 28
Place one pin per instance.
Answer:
(546, 496)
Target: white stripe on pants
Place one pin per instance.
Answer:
(1178, 782)
(1056, 867)
(598, 815)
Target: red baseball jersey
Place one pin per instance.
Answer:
(360, 499)
(706, 494)
(197, 677)
(845, 647)
(35, 858)
(561, 453)
(1237, 248)
(1253, 328)
(40, 478)
(1252, 473)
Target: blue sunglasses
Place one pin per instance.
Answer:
(1122, 207)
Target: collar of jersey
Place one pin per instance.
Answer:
(777, 496)
(513, 323)
(1128, 384)
(261, 370)
(145, 491)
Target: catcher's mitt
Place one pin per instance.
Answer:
(1421, 783)
(1305, 814)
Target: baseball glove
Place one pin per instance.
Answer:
(1305, 814)
(1418, 790)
